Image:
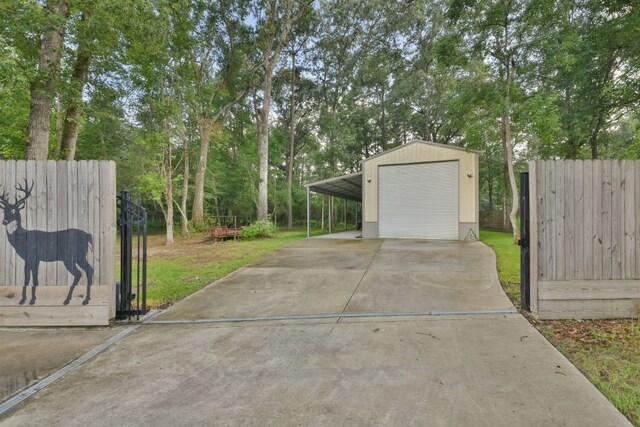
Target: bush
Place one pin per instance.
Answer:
(259, 229)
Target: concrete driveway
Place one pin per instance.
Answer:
(334, 332)
(334, 276)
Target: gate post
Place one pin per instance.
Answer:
(525, 242)
(124, 294)
(132, 218)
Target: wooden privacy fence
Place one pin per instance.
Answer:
(57, 243)
(585, 238)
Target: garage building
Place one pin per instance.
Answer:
(418, 190)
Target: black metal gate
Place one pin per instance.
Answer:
(131, 291)
(525, 266)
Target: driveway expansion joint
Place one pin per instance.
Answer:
(330, 316)
(362, 278)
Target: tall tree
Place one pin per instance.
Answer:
(499, 31)
(217, 73)
(161, 110)
(300, 37)
(276, 19)
(186, 155)
(71, 123)
(294, 101)
(99, 35)
(292, 137)
(43, 87)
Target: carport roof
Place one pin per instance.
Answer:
(346, 186)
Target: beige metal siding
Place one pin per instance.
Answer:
(419, 153)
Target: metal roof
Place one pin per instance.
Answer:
(346, 186)
(417, 141)
(350, 186)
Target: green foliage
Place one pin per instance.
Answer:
(259, 229)
(369, 75)
(14, 108)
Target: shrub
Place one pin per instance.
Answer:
(259, 229)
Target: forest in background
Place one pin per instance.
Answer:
(229, 107)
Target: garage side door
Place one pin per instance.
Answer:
(418, 200)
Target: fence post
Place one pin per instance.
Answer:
(525, 265)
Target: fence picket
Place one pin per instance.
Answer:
(63, 223)
(607, 238)
(569, 225)
(40, 198)
(549, 215)
(578, 215)
(598, 239)
(52, 221)
(629, 221)
(588, 234)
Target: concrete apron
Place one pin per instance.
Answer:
(330, 277)
(481, 369)
(29, 355)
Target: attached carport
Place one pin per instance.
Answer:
(348, 187)
(417, 190)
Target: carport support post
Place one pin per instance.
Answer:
(345, 214)
(308, 216)
(330, 214)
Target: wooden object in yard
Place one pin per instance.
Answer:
(222, 233)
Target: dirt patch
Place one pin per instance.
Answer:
(594, 332)
(198, 249)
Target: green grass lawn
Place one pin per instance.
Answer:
(606, 351)
(192, 263)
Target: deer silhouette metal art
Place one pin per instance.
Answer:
(71, 249)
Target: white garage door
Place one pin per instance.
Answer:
(418, 200)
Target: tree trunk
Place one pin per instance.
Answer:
(184, 221)
(263, 144)
(292, 139)
(508, 150)
(216, 204)
(572, 140)
(427, 119)
(43, 88)
(506, 207)
(593, 140)
(59, 124)
(275, 41)
(74, 102)
(204, 128)
(490, 186)
(168, 192)
(333, 160)
(383, 127)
